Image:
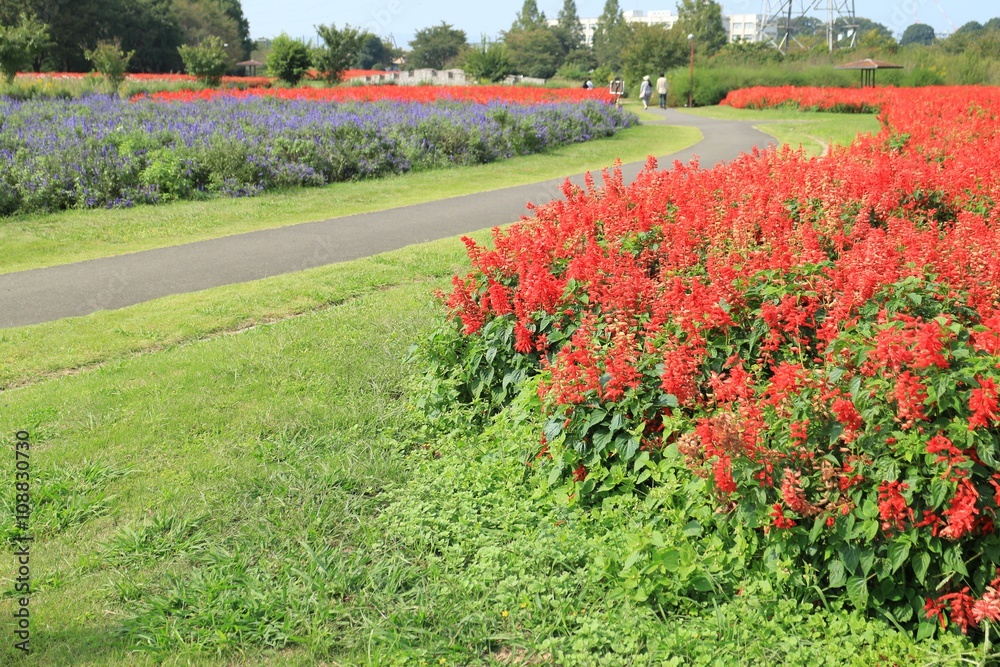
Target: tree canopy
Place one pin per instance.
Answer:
(153, 29)
(653, 49)
(19, 43)
(703, 19)
(488, 62)
(918, 33)
(339, 51)
(536, 52)
(529, 18)
(289, 60)
(436, 47)
(610, 36)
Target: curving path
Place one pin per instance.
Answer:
(81, 288)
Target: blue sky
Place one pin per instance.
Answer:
(402, 18)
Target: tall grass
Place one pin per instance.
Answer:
(921, 66)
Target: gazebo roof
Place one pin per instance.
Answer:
(250, 63)
(868, 64)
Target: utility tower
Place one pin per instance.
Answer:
(777, 16)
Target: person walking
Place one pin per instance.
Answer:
(661, 90)
(645, 91)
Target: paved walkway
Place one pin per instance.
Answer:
(41, 295)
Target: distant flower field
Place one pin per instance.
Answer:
(421, 94)
(103, 152)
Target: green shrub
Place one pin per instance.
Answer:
(208, 61)
(109, 60)
(289, 60)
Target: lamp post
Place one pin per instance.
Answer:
(691, 88)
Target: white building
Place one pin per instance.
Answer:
(740, 27)
(662, 17)
(743, 27)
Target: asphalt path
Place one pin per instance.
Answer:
(81, 288)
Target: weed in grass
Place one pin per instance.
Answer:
(164, 535)
(63, 498)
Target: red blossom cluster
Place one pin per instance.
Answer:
(819, 332)
(256, 81)
(418, 94)
(857, 100)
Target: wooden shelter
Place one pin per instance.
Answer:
(868, 67)
(250, 67)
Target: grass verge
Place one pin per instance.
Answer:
(34, 241)
(271, 497)
(33, 353)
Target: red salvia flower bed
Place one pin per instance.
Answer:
(816, 337)
(418, 94)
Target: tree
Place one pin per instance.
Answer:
(610, 36)
(992, 24)
(374, 53)
(110, 61)
(874, 41)
(20, 44)
(568, 30)
(234, 10)
(339, 51)
(153, 31)
(151, 28)
(971, 26)
(653, 49)
(536, 52)
(488, 62)
(529, 18)
(918, 33)
(703, 19)
(208, 61)
(200, 19)
(288, 60)
(436, 47)
(867, 25)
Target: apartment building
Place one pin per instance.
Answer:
(740, 27)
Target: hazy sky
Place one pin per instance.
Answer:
(402, 18)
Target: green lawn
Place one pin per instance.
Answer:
(239, 476)
(34, 241)
(214, 493)
(813, 132)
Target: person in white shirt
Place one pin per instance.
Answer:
(661, 90)
(645, 91)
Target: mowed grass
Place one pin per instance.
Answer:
(229, 473)
(268, 496)
(31, 353)
(814, 132)
(237, 477)
(34, 241)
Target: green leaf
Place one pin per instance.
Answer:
(816, 529)
(670, 559)
(857, 591)
(632, 558)
(899, 552)
(601, 439)
(837, 574)
(926, 629)
(667, 401)
(866, 560)
(939, 491)
(921, 561)
(850, 555)
(596, 417)
(692, 528)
